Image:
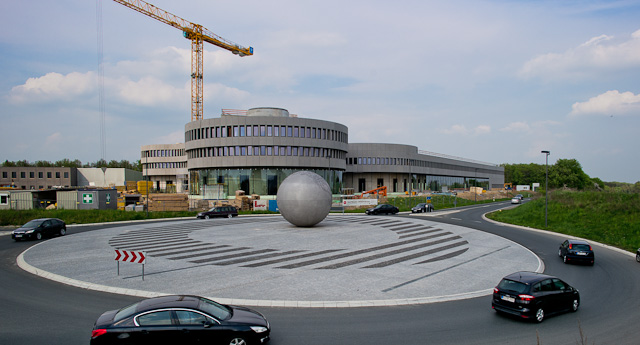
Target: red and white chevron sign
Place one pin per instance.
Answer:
(129, 256)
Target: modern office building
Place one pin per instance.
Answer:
(166, 167)
(35, 178)
(372, 165)
(43, 178)
(255, 150)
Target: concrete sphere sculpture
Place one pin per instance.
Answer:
(304, 199)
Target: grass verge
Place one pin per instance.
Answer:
(606, 217)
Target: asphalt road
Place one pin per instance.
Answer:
(38, 311)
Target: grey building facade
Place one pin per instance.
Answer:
(256, 150)
(165, 165)
(404, 168)
(35, 178)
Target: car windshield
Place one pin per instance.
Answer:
(33, 223)
(512, 285)
(125, 312)
(214, 209)
(420, 205)
(217, 310)
(581, 247)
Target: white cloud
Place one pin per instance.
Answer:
(54, 86)
(295, 38)
(609, 103)
(601, 53)
(150, 91)
(482, 129)
(456, 129)
(53, 139)
(463, 130)
(171, 138)
(516, 127)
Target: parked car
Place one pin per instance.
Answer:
(516, 200)
(533, 296)
(422, 207)
(576, 251)
(383, 209)
(39, 228)
(219, 211)
(180, 319)
(638, 255)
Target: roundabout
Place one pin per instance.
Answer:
(344, 261)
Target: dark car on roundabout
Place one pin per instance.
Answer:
(534, 296)
(181, 319)
(383, 209)
(422, 207)
(577, 251)
(219, 211)
(39, 228)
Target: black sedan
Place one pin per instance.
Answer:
(533, 296)
(422, 207)
(181, 319)
(383, 209)
(219, 211)
(576, 251)
(38, 228)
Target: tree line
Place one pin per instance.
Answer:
(565, 173)
(137, 166)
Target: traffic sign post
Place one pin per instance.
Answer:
(130, 256)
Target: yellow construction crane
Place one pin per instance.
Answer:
(197, 34)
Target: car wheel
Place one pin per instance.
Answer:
(638, 257)
(564, 258)
(539, 315)
(560, 252)
(237, 341)
(63, 232)
(38, 236)
(229, 215)
(575, 305)
(206, 217)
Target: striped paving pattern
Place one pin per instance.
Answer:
(416, 243)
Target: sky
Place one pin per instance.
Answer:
(496, 81)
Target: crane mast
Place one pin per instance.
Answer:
(198, 35)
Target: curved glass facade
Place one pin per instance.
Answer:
(221, 183)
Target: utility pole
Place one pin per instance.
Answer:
(546, 186)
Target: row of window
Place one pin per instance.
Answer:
(164, 153)
(410, 162)
(166, 165)
(264, 150)
(32, 174)
(266, 131)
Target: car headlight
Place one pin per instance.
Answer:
(29, 231)
(259, 329)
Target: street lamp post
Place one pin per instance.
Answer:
(546, 186)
